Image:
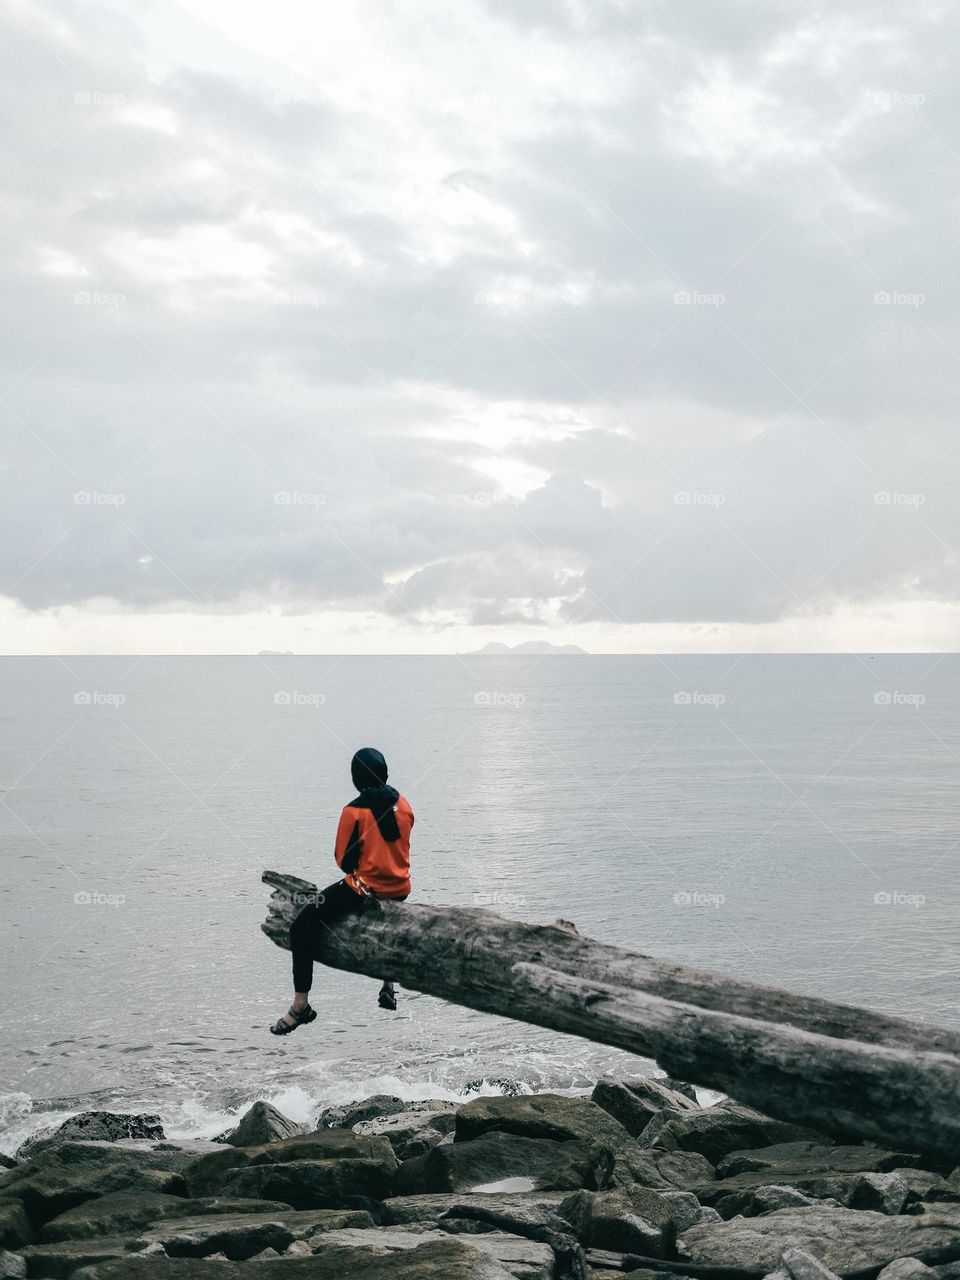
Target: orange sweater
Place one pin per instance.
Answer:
(383, 866)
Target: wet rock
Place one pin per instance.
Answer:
(627, 1220)
(351, 1113)
(242, 1235)
(544, 1115)
(633, 1101)
(411, 1133)
(434, 1208)
(523, 1259)
(816, 1157)
(13, 1266)
(756, 1200)
(94, 1126)
(679, 1086)
(263, 1123)
(484, 1164)
(451, 1258)
(130, 1211)
(845, 1240)
(717, 1131)
(71, 1172)
(314, 1171)
(7, 1162)
(59, 1259)
(15, 1228)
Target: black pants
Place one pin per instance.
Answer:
(334, 902)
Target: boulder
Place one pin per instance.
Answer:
(59, 1259)
(627, 1220)
(679, 1086)
(523, 1259)
(71, 1172)
(905, 1269)
(541, 1115)
(633, 1101)
(15, 1228)
(431, 1209)
(7, 1162)
(801, 1265)
(499, 1162)
(816, 1157)
(13, 1266)
(756, 1200)
(93, 1126)
(410, 1133)
(845, 1240)
(351, 1113)
(243, 1235)
(130, 1211)
(318, 1170)
(263, 1123)
(715, 1132)
(449, 1258)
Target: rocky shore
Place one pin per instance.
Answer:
(637, 1179)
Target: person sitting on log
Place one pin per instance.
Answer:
(373, 849)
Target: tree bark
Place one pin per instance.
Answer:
(844, 1070)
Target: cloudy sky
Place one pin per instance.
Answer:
(398, 328)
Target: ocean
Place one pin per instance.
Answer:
(787, 819)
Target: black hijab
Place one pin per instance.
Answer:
(369, 772)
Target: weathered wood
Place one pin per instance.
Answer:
(844, 1070)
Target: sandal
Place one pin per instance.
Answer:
(387, 999)
(301, 1016)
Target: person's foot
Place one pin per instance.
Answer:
(387, 999)
(292, 1019)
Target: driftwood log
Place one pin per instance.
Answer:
(844, 1070)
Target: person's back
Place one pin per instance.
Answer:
(380, 865)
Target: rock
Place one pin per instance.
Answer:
(314, 1171)
(262, 1257)
(756, 1200)
(263, 1123)
(542, 1115)
(845, 1240)
(801, 1265)
(15, 1228)
(627, 1220)
(410, 1133)
(679, 1086)
(815, 1157)
(449, 1258)
(345, 1117)
(530, 1164)
(633, 1101)
(715, 1132)
(885, 1192)
(93, 1126)
(6, 1162)
(13, 1266)
(905, 1269)
(241, 1235)
(686, 1210)
(524, 1259)
(130, 1211)
(402, 1210)
(71, 1172)
(59, 1259)
(299, 1249)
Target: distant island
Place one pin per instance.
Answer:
(275, 653)
(535, 648)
